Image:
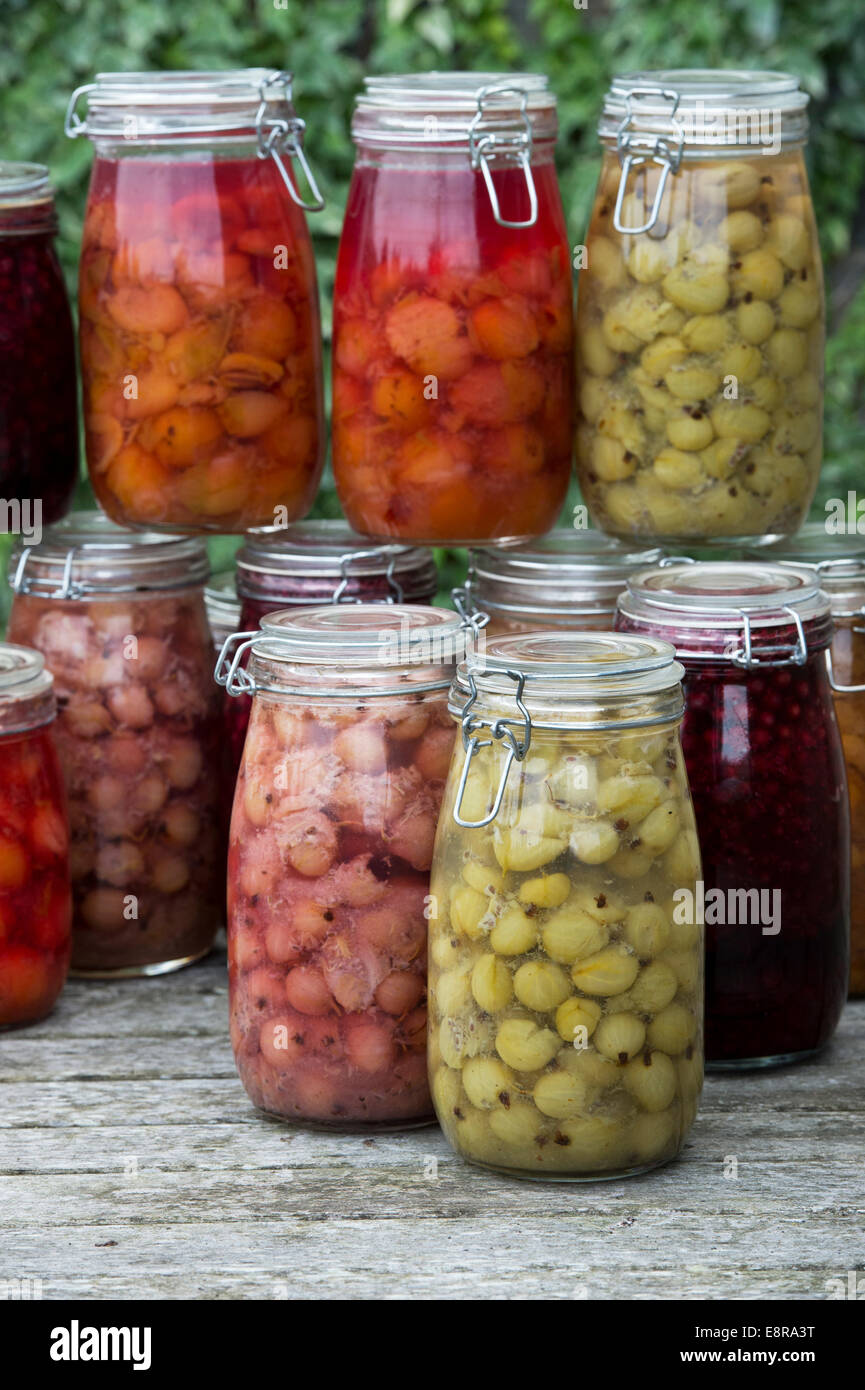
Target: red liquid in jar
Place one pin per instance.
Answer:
(197, 279)
(35, 902)
(767, 777)
(38, 397)
(453, 341)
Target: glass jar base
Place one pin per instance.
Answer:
(782, 1059)
(28, 1022)
(131, 972)
(465, 543)
(613, 1176)
(350, 1126)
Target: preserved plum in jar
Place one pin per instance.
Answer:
(200, 337)
(119, 618)
(453, 334)
(331, 843)
(565, 993)
(35, 902)
(700, 323)
(568, 579)
(38, 426)
(767, 775)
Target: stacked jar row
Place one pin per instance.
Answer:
(700, 312)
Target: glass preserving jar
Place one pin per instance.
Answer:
(35, 902)
(200, 337)
(766, 769)
(222, 605)
(565, 993)
(328, 873)
(568, 579)
(701, 321)
(119, 618)
(38, 426)
(453, 331)
(840, 564)
(314, 563)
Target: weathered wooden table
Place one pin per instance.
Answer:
(133, 1166)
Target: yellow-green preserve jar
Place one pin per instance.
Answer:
(565, 969)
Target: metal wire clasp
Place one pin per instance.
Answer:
(635, 149)
(396, 594)
(499, 729)
(73, 126)
(227, 669)
(278, 135)
(514, 146)
(473, 620)
(22, 583)
(780, 655)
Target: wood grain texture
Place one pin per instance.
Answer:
(133, 1166)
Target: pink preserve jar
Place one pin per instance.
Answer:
(332, 832)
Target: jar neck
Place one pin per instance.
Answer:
(28, 220)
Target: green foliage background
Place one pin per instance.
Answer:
(50, 46)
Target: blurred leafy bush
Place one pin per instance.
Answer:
(50, 46)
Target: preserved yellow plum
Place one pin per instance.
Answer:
(565, 995)
(700, 311)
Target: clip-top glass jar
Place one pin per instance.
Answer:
(331, 844)
(119, 617)
(453, 333)
(565, 994)
(839, 561)
(700, 311)
(38, 403)
(766, 769)
(35, 903)
(200, 338)
(567, 579)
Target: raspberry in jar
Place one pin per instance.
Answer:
(35, 901)
(332, 836)
(119, 618)
(767, 773)
(200, 335)
(38, 426)
(453, 334)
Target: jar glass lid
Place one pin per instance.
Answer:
(445, 108)
(22, 185)
(722, 594)
(363, 635)
(838, 558)
(564, 572)
(572, 665)
(86, 553)
(138, 105)
(328, 549)
(720, 106)
(26, 689)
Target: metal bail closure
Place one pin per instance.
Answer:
(278, 136)
(635, 150)
(473, 620)
(500, 729)
(73, 126)
(781, 655)
(46, 588)
(513, 146)
(396, 594)
(224, 664)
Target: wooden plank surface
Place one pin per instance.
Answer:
(133, 1166)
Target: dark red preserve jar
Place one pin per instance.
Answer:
(766, 768)
(38, 411)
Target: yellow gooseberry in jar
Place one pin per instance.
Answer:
(700, 305)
